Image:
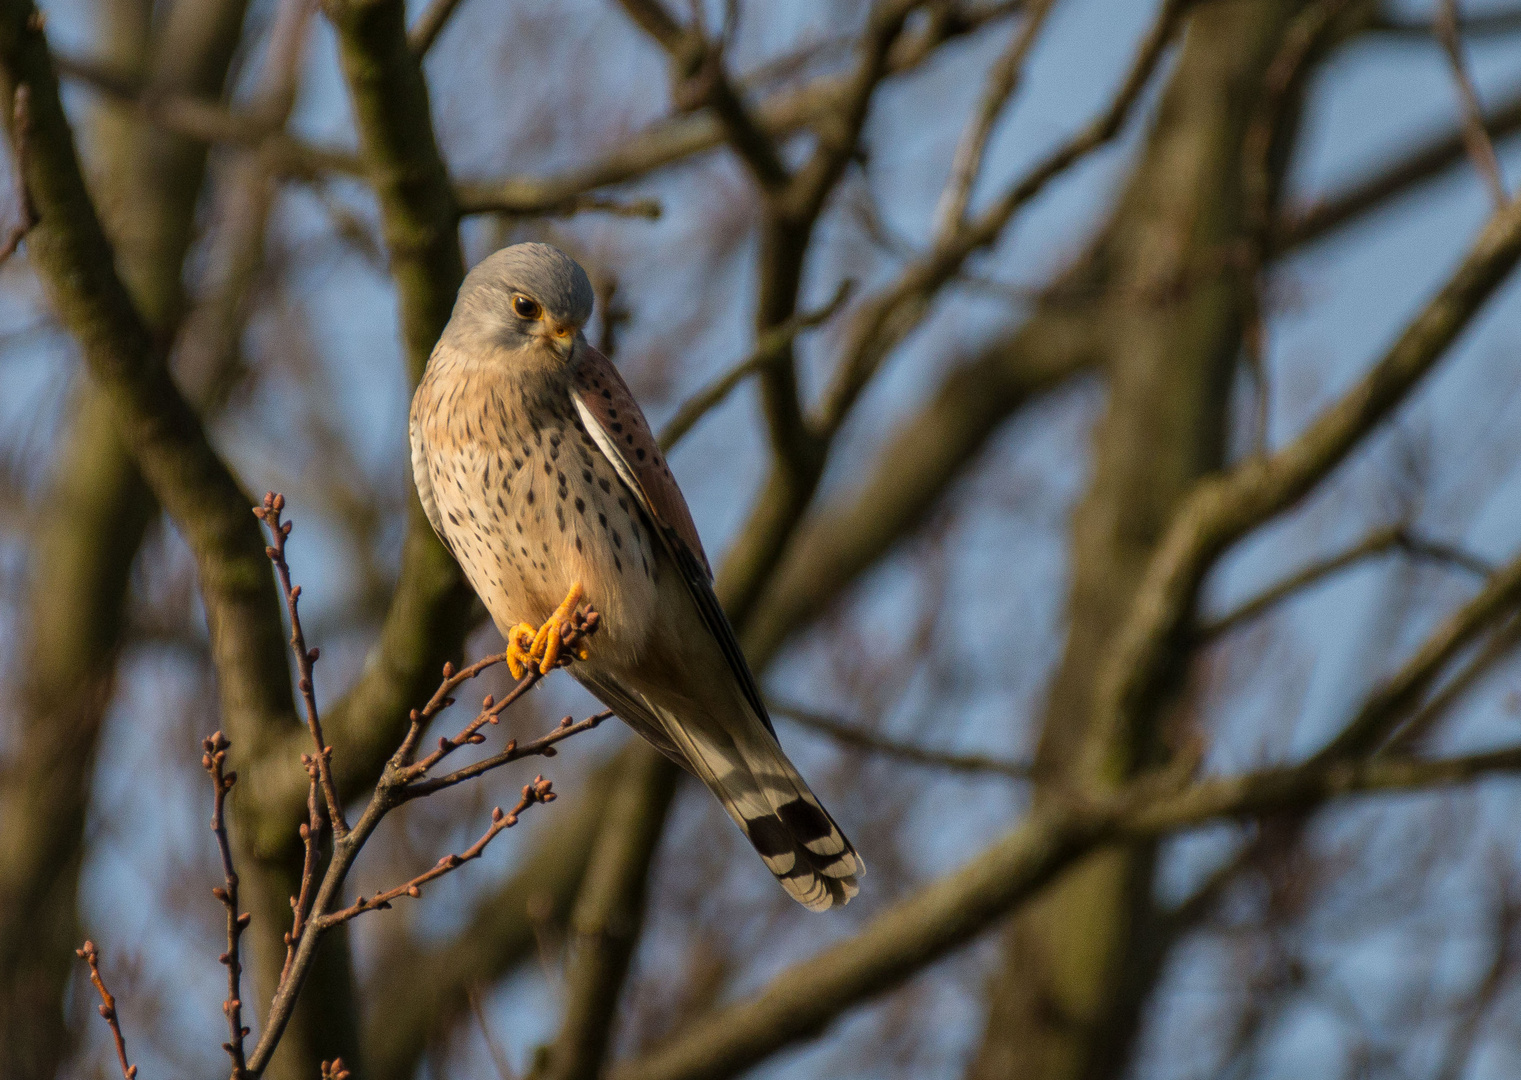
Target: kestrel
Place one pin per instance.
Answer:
(539, 472)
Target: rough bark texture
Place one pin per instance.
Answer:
(1078, 961)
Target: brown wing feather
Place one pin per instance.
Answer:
(608, 398)
(635, 455)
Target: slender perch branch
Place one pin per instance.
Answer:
(314, 909)
(1480, 148)
(91, 956)
(543, 746)
(213, 760)
(537, 792)
(269, 514)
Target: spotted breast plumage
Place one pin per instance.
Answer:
(539, 472)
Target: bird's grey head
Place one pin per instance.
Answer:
(523, 295)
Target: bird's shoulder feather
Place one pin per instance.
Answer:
(601, 392)
(617, 425)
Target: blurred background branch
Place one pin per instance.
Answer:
(1109, 398)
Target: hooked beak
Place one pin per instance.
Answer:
(560, 336)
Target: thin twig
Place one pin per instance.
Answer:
(771, 349)
(269, 514)
(91, 956)
(1390, 539)
(429, 25)
(583, 624)
(314, 908)
(1496, 22)
(21, 133)
(491, 199)
(1402, 693)
(1419, 162)
(1496, 647)
(886, 318)
(860, 737)
(504, 1070)
(1002, 81)
(390, 792)
(213, 760)
(543, 746)
(311, 833)
(1475, 137)
(1260, 181)
(540, 791)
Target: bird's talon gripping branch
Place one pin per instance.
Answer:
(541, 648)
(520, 649)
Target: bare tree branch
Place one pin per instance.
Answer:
(1416, 164)
(1223, 509)
(783, 113)
(497, 933)
(840, 539)
(801, 1000)
(91, 956)
(1500, 644)
(1001, 83)
(192, 482)
(699, 80)
(1400, 694)
(210, 121)
(857, 736)
(883, 320)
(1480, 149)
(429, 25)
(771, 349)
(98, 510)
(403, 779)
(306, 659)
(536, 792)
(1493, 22)
(213, 759)
(1395, 538)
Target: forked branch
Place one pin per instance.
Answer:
(316, 909)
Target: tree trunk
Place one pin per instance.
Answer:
(1078, 962)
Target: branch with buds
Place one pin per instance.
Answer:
(316, 908)
(91, 955)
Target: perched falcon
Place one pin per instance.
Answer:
(538, 471)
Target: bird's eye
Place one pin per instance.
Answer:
(526, 308)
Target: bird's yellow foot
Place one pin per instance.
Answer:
(544, 648)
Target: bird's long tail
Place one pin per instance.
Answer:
(771, 803)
